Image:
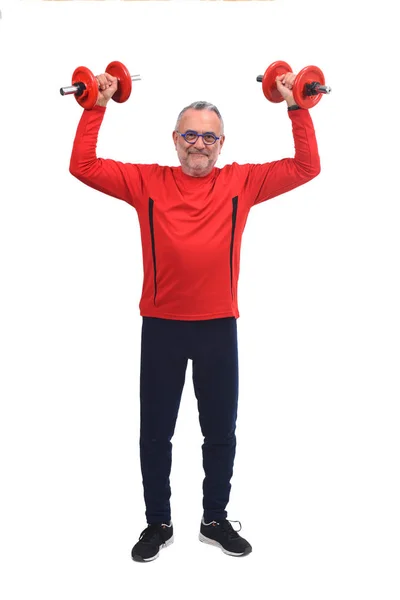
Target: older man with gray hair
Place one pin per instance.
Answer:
(192, 218)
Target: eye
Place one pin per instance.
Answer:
(209, 138)
(190, 136)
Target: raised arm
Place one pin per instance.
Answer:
(265, 181)
(117, 179)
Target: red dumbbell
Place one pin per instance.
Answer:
(85, 87)
(308, 86)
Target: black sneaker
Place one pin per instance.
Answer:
(151, 540)
(223, 535)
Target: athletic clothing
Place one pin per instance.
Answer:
(166, 348)
(191, 227)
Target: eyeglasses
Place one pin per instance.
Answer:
(191, 137)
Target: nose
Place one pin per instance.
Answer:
(199, 143)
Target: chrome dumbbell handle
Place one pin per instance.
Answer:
(77, 89)
(314, 88)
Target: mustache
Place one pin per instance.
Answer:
(198, 152)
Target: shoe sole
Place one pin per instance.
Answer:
(138, 558)
(207, 540)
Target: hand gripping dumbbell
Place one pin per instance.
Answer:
(308, 86)
(85, 87)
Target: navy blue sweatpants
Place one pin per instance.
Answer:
(167, 345)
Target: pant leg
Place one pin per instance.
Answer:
(162, 378)
(216, 384)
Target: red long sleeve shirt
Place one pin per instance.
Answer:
(191, 227)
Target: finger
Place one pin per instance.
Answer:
(282, 89)
(288, 83)
(280, 86)
(285, 80)
(110, 79)
(102, 81)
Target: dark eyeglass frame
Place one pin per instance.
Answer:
(216, 138)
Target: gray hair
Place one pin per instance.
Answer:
(201, 105)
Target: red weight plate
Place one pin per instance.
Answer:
(89, 97)
(307, 75)
(269, 84)
(118, 70)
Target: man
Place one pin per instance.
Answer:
(192, 219)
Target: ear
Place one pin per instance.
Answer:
(221, 142)
(175, 137)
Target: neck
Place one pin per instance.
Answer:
(193, 173)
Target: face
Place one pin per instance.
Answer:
(198, 159)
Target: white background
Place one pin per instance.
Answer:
(316, 479)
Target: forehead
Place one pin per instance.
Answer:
(200, 120)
